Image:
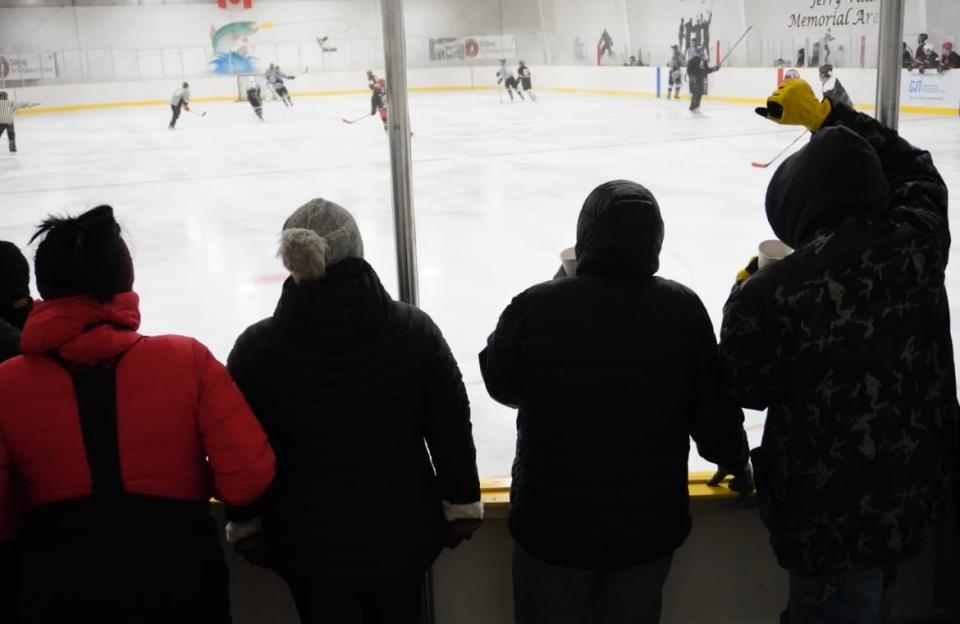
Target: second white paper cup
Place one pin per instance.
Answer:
(771, 251)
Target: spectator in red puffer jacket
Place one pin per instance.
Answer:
(119, 440)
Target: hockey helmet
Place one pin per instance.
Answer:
(791, 74)
(947, 46)
(186, 85)
(826, 69)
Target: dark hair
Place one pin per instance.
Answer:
(82, 255)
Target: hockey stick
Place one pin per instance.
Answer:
(760, 165)
(353, 121)
(734, 46)
(201, 114)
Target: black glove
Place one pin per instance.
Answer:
(742, 481)
(460, 530)
(256, 551)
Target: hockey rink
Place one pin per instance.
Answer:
(497, 189)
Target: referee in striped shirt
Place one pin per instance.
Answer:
(7, 109)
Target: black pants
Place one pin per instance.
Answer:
(326, 601)
(9, 580)
(151, 579)
(11, 135)
(176, 114)
(546, 593)
(695, 95)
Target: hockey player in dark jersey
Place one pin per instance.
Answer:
(675, 68)
(275, 79)
(255, 99)
(832, 88)
(526, 80)
(698, 68)
(505, 76)
(378, 97)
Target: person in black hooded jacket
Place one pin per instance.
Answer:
(365, 407)
(847, 344)
(612, 370)
(15, 301)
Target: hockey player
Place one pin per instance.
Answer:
(526, 80)
(697, 71)
(179, 99)
(926, 58)
(378, 97)
(505, 76)
(676, 74)
(255, 99)
(275, 79)
(7, 109)
(832, 88)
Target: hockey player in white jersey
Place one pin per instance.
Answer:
(505, 76)
(7, 110)
(179, 99)
(275, 78)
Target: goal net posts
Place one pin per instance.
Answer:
(245, 81)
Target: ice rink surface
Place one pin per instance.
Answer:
(497, 191)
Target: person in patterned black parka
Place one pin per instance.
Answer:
(847, 344)
(366, 408)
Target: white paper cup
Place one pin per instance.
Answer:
(569, 259)
(772, 251)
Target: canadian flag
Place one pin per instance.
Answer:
(247, 4)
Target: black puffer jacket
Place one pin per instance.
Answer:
(612, 370)
(847, 342)
(352, 388)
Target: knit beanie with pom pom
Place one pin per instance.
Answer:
(318, 235)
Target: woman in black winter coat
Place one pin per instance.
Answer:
(365, 407)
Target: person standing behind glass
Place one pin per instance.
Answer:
(116, 442)
(366, 408)
(846, 343)
(612, 371)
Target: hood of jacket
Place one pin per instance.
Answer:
(82, 330)
(337, 311)
(836, 176)
(620, 231)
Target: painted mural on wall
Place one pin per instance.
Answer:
(232, 52)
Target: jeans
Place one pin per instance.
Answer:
(862, 597)
(544, 593)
